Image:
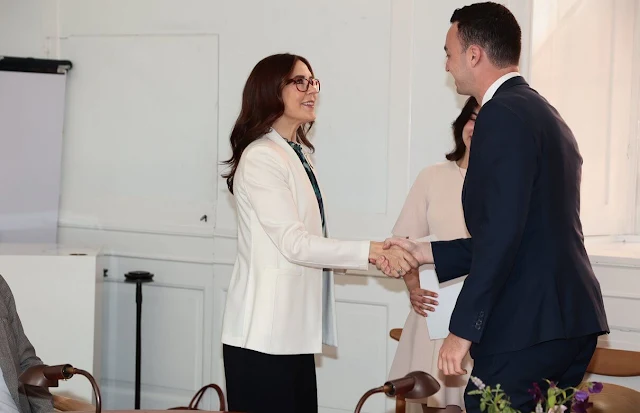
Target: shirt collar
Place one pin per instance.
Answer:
(488, 95)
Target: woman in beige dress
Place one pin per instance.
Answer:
(434, 208)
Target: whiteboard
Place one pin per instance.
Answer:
(31, 122)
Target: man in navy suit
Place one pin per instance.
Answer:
(531, 308)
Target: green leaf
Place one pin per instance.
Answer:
(551, 401)
(483, 406)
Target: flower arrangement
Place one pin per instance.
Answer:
(494, 400)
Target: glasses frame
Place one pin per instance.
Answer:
(306, 82)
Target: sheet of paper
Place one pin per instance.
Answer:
(438, 321)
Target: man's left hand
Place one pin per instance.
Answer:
(451, 355)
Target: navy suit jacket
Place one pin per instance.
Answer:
(530, 279)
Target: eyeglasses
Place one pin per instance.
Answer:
(303, 84)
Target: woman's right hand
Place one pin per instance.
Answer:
(422, 301)
(393, 261)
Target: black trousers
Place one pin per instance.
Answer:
(265, 383)
(562, 361)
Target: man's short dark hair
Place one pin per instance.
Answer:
(494, 28)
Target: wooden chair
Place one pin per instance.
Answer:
(605, 362)
(615, 398)
(395, 333)
(401, 406)
(67, 404)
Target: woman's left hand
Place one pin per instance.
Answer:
(421, 301)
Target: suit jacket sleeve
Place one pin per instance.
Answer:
(452, 259)
(39, 398)
(501, 176)
(266, 183)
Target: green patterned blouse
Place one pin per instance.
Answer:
(312, 177)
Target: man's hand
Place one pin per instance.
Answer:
(451, 355)
(421, 251)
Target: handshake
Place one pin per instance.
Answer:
(396, 257)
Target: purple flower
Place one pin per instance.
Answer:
(536, 393)
(595, 387)
(581, 396)
(581, 407)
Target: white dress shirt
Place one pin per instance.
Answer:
(496, 85)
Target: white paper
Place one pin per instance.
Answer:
(438, 320)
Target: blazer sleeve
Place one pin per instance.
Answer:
(266, 183)
(39, 398)
(501, 175)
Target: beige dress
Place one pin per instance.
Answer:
(433, 207)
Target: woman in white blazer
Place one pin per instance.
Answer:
(280, 305)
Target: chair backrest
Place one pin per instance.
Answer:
(395, 333)
(614, 398)
(617, 363)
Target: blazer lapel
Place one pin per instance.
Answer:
(299, 169)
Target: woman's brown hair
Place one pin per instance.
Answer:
(458, 126)
(262, 105)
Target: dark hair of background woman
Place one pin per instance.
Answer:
(458, 125)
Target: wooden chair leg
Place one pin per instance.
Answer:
(401, 405)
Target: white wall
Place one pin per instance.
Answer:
(586, 62)
(22, 32)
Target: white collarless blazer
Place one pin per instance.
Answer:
(279, 299)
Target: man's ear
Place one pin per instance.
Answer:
(474, 55)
